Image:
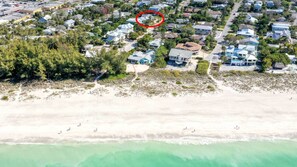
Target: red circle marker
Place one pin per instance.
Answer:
(150, 12)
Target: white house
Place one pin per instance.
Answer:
(246, 32)
(126, 28)
(203, 29)
(147, 57)
(200, 1)
(242, 55)
(115, 36)
(250, 19)
(180, 56)
(69, 23)
(156, 43)
(120, 33)
(49, 31)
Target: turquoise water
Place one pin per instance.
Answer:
(151, 154)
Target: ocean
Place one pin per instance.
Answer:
(151, 154)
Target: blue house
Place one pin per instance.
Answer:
(158, 7)
(143, 3)
(44, 19)
(269, 4)
(258, 6)
(280, 26)
(241, 55)
(137, 57)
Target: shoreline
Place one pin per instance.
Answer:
(192, 119)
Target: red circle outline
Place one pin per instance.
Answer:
(150, 12)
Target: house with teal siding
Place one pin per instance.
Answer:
(138, 57)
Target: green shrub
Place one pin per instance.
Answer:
(5, 98)
(211, 88)
(178, 82)
(176, 73)
(202, 67)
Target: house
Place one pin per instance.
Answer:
(200, 1)
(115, 36)
(246, 32)
(44, 19)
(191, 9)
(78, 17)
(219, 6)
(190, 46)
(49, 31)
(131, 21)
(269, 4)
(117, 14)
(120, 33)
(126, 28)
(142, 57)
(90, 53)
(173, 26)
(170, 2)
(182, 21)
(144, 18)
(258, 6)
(242, 55)
(280, 30)
(67, 11)
(170, 35)
(69, 23)
(87, 5)
(250, 19)
(200, 38)
(281, 19)
(274, 11)
(156, 43)
(214, 14)
(280, 26)
(143, 3)
(158, 7)
(279, 34)
(97, 1)
(180, 56)
(278, 66)
(203, 29)
(249, 41)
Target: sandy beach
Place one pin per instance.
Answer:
(203, 118)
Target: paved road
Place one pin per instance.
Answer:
(218, 49)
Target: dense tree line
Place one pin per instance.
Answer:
(54, 59)
(269, 55)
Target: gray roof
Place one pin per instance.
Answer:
(245, 40)
(204, 27)
(180, 53)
